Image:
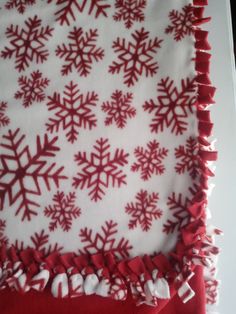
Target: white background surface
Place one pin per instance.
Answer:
(222, 202)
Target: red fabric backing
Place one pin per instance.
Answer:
(44, 303)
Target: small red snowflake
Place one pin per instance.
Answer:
(81, 51)
(178, 206)
(211, 288)
(149, 161)
(3, 239)
(72, 111)
(129, 11)
(27, 44)
(22, 173)
(119, 109)
(68, 9)
(101, 170)
(118, 289)
(63, 211)
(189, 159)
(181, 22)
(173, 107)
(135, 57)
(20, 5)
(40, 242)
(144, 210)
(4, 120)
(31, 88)
(104, 241)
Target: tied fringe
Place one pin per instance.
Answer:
(150, 280)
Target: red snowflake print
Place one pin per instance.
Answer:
(22, 173)
(104, 241)
(181, 23)
(118, 289)
(129, 11)
(144, 210)
(4, 120)
(68, 9)
(72, 111)
(63, 211)
(81, 51)
(119, 109)
(32, 88)
(20, 5)
(3, 239)
(149, 160)
(40, 242)
(211, 287)
(27, 44)
(172, 107)
(135, 57)
(178, 206)
(189, 159)
(101, 170)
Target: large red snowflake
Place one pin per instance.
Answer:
(104, 241)
(181, 22)
(31, 88)
(144, 210)
(129, 11)
(72, 111)
(81, 51)
(27, 44)
(119, 109)
(4, 119)
(63, 211)
(3, 238)
(189, 159)
(173, 106)
(178, 206)
(136, 57)
(68, 9)
(20, 5)
(22, 173)
(40, 242)
(149, 160)
(101, 170)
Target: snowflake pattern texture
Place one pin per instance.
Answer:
(4, 119)
(27, 44)
(144, 210)
(20, 5)
(72, 112)
(135, 57)
(100, 170)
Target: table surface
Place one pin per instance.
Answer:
(222, 203)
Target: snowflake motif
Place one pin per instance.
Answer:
(81, 52)
(173, 107)
(119, 109)
(40, 242)
(129, 11)
(104, 241)
(100, 170)
(118, 289)
(72, 111)
(66, 13)
(27, 44)
(181, 23)
(189, 159)
(178, 205)
(22, 172)
(144, 210)
(135, 57)
(3, 239)
(20, 5)
(31, 89)
(149, 161)
(4, 120)
(63, 211)
(211, 288)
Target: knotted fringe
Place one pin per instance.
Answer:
(150, 280)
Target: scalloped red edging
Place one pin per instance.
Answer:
(151, 280)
